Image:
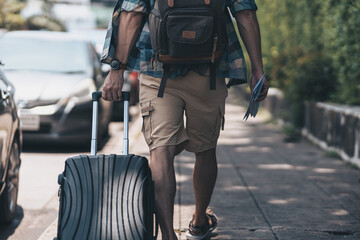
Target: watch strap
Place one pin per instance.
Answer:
(122, 65)
(117, 65)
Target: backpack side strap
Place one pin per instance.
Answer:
(164, 78)
(212, 76)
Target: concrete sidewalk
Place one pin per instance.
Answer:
(266, 188)
(269, 189)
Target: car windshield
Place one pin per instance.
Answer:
(36, 54)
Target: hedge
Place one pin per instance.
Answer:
(11, 19)
(311, 50)
(10, 14)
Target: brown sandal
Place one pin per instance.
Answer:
(201, 232)
(210, 215)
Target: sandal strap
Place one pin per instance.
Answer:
(198, 230)
(212, 217)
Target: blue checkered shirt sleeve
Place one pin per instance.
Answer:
(239, 5)
(232, 64)
(142, 6)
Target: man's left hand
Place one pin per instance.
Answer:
(264, 90)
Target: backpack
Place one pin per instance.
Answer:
(187, 32)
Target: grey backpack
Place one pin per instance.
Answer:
(187, 32)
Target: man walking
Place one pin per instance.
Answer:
(128, 46)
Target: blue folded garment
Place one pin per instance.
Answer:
(253, 105)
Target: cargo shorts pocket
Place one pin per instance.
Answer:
(220, 121)
(222, 115)
(146, 110)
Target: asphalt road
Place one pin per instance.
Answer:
(38, 199)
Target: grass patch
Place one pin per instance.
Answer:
(332, 154)
(292, 134)
(351, 165)
(271, 120)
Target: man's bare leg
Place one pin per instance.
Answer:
(204, 179)
(163, 174)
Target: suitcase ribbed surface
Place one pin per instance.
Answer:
(106, 197)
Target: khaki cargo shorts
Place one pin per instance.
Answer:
(163, 118)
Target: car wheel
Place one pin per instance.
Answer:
(8, 199)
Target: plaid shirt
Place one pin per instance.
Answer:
(232, 63)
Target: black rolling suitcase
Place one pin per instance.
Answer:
(106, 196)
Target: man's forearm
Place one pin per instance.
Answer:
(130, 24)
(250, 33)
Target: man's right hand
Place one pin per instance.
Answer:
(113, 85)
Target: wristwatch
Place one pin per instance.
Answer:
(115, 64)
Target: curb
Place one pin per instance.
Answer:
(50, 232)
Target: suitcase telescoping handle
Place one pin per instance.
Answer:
(95, 98)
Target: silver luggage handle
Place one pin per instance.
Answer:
(95, 98)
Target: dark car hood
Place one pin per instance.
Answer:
(32, 85)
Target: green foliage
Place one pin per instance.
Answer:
(351, 166)
(343, 43)
(10, 14)
(44, 22)
(292, 134)
(103, 15)
(332, 154)
(308, 77)
(11, 19)
(311, 50)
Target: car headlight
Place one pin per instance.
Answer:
(81, 93)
